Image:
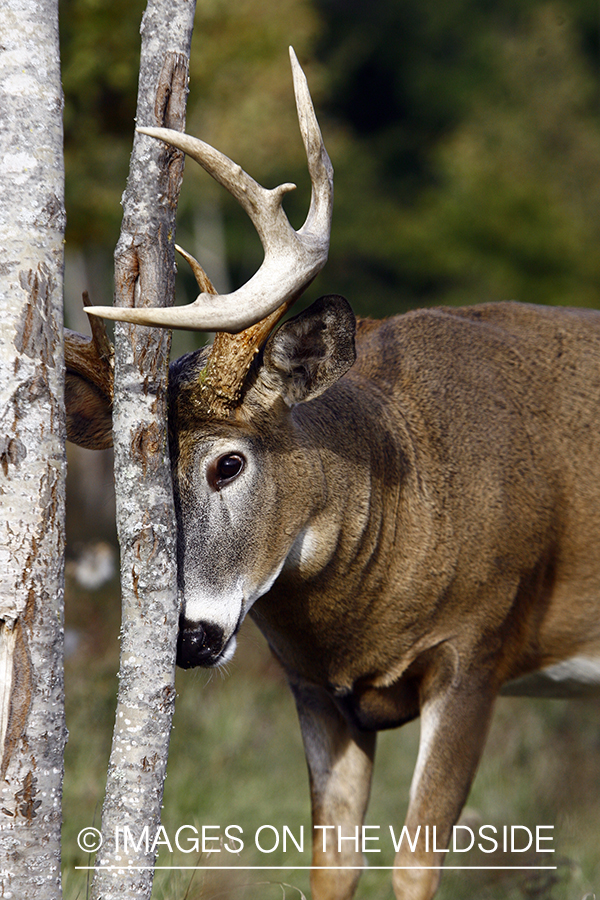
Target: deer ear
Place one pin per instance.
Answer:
(89, 413)
(89, 386)
(310, 352)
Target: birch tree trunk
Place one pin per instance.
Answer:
(32, 453)
(144, 275)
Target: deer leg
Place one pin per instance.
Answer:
(454, 726)
(340, 763)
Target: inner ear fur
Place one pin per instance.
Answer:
(310, 352)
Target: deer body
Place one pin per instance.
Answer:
(426, 531)
(412, 518)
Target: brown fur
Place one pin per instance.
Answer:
(438, 511)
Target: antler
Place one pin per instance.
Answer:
(292, 258)
(220, 385)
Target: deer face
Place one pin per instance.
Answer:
(247, 486)
(232, 542)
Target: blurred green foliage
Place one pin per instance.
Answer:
(474, 168)
(465, 137)
(100, 60)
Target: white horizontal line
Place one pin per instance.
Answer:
(308, 868)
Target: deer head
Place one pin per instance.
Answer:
(230, 406)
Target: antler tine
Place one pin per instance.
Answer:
(292, 259)
(319, 164)
(202, 279)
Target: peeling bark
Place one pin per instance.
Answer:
(32, 453)
(144, 275)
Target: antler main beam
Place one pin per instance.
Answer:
(292, 258)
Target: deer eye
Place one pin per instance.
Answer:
(225, 469)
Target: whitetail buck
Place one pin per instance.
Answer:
(414, 525)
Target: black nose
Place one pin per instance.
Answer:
(199, 645)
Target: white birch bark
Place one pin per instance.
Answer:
(32, 455)
(144, 275)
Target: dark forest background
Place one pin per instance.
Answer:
(465, 136)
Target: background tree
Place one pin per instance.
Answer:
(145, 276)
(32, 457)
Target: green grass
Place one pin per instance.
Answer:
(236, 759)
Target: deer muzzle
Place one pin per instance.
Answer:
(204, 645)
